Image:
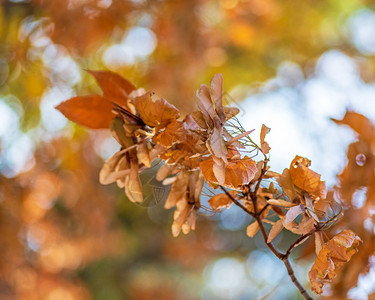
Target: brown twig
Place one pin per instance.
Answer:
(257, 215)
(237, 202)
(300, 239)
(294, 279)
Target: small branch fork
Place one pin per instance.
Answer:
(284, 257)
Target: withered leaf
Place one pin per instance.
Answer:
(305, 226)
(91, 111)
(217, 95)
(280, 202)
(221, 201)
(108, 173)
(275, 230)
(306, 179)
(252, 229)
(143, 154)
(359, 123)
(293, 213)
(263, 144)
(238, 172)
(174, 132)
(114, 87)
(155, 112)
(286, 183)
(230, 112)
(178, 191)
(133, 188)
(333, 255)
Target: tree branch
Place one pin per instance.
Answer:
(294, 279)
(300, 239)
(239, 204)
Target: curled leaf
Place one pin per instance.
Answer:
(333, 255)
(293, 213)
(305, 178)
(263, 144)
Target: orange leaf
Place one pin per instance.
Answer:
(173, 132)
(252, 229)
(263, 144)
(90, 111)
(155, 112)
(238, 172)
(306, 179)
(114, 87)
(358, 123)
(220, 201)
(333, 255)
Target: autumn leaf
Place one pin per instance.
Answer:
(275, 230)
(91, 111)
(293, 213)
(238, 172)
(174, 132)
(359, 123)
(333, 255)
(221, 201)
(114, 87)
(305, 178)
(263, 144)
(252, 229)
(155, 112)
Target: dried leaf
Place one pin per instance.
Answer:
(164, 171)
(280, 202)
(217, 95)
(306, 179)
(318, 242)
(108, 174)
(174, 132)
(293, 213)
(305, 226)
(114, 87)
(238, 172)
(359, 123)
(275, 230)
(230, 112)
(252, 229)
(133, 188)
(143, 154)
(155, 112)
(220, 201)
(177, 192)
(91, 111)
(263, 144)
(333, 255)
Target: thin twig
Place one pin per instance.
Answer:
(237, 202)
(263, 209)
(300, 239)
(294, 279)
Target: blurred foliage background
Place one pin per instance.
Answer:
(288, 64)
